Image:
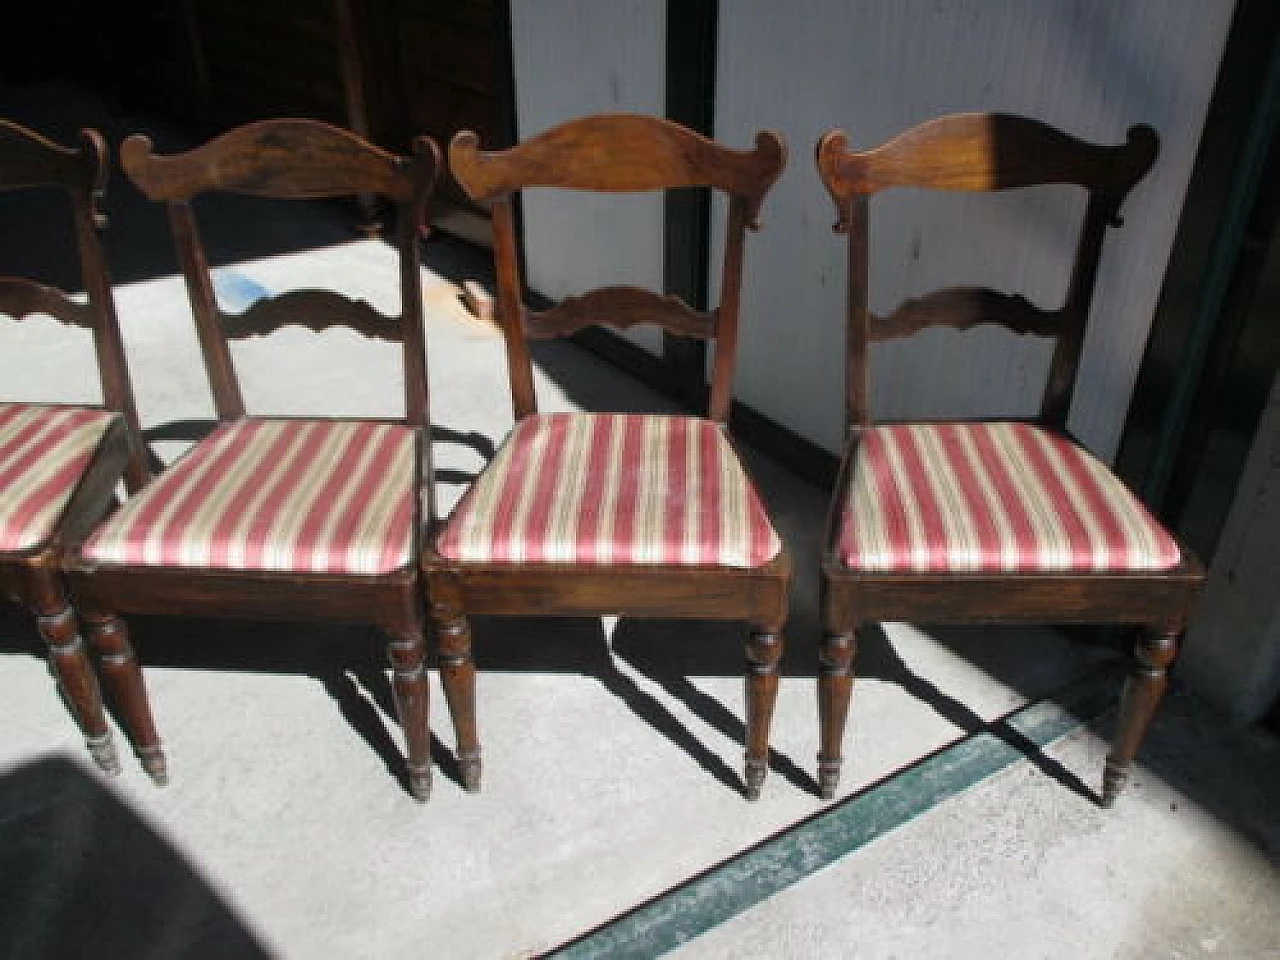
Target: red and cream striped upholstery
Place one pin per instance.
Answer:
(303, 496)
(991, 497)
(612, 489)
(44, 451)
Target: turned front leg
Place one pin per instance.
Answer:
(835, 685)
(458, 676)
(764, 651)
(123, 677)
(407, 652)
(1153, 654)
(71, 668)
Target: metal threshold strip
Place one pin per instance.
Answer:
(729, 888)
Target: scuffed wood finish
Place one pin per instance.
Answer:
(620, 307)
(962, 308)
(285, 159)
(316, 310)
(33, 577)
(613, 153)
(980, 153)
(619, 153)
(985, 151)
(21, 298)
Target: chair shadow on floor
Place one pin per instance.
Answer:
(347, 662)
(79, 868)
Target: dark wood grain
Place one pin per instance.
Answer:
(985, 151)
(619, 153)
(614, 153)
(282, 159)
(33, 576)
(620, 307)
(978, 152)
(287, 159)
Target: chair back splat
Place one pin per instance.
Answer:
(29, 160)
(980, 152)
(618, 153)
(293, 160)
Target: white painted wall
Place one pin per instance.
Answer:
(574, 57)
(876, 67)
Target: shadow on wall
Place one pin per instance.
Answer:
(78, 867)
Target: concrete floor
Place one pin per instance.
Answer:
(612, 749)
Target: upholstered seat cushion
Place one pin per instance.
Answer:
(991, 497)
(44, 451)
(612, 489)
(303, 496)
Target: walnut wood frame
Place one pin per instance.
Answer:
(284, 159)
(33, 577)
(614, 153)
(982, 152)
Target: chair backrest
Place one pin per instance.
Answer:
(293, 160)
(618, 153)
(979, 152)
(28, 160)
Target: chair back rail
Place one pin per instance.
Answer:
(293, 160)
(980, 152)
(620, 307)
(316, 310)
(21, 298)
(618, 153)
(27, 160)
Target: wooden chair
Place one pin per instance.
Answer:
(300, 519)
(59, 464)
(989, 522)
(590, 514)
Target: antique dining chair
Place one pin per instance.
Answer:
(597, 513)
(281, 518)
(994, 521)
(60, 464)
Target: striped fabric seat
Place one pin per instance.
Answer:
(44, 451)
(612, 489)
(302, 496)
(1006, 497)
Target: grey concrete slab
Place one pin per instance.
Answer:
(1185, 865)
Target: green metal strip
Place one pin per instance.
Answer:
(730, 888)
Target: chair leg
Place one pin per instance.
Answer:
(71, 667)
(110, 640)
(764, 650)
(458, 675)
(1153, 654)
(835, 685)
(407, 652)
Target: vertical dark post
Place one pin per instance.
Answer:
(690, 100)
